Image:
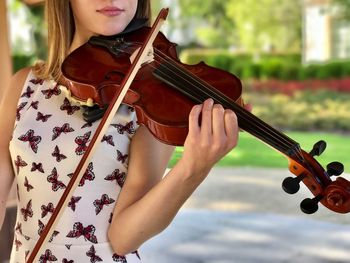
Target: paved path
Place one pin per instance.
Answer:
(241, 215)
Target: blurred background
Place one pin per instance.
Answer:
(293, 58)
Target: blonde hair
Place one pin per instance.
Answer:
(60, 32)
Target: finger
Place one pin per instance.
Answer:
(248, 107)
(231, 127)
(193, 119)
(206, 126)
(218, 121)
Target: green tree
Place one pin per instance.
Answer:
(267, 24)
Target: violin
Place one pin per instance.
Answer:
(164, 91)
(141, 69)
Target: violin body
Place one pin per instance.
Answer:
(93, 72)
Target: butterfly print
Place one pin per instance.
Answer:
(27, 185)
(19, 228)
(73, 201)
(68, 246)
(37, 81)
(42, 117)
(33, 140)
(47, 257)
(56, 153)
(82, 141)
(99, 203)
(45, 209)
(88, 175)
(19, 109)
(17, 243)
(108, 139)
(50, 92)
(121, 157)
(119, 259)
(19, 163)
(66, 106)
(53, 178)
(118, 176)
(86, 125)
(129, 127)
(92, 255)
(41, 229)
(34, 105)
(27, 212)
(58, 130)
(36, 167)
(67, 261)
(27, 93)
(87, 232)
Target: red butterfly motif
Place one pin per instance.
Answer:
(73, 201)
(118, 176)
(47, 257)
(56, 153)
(37, 81)
(88, 175)
(33, 140)
(27, 212)
(17, 243)
(68, 107)
(27, 185)
(121, 157)
(108, 139)
(50, 92)
(34, 105)
(82, 141)
(128, 127)
(41, 229)
(42, 117)
(19, 228)
(27, 93)
(66, 261)
(87, 232)
(58, 130)
(19, 163)
(92, 254)
(86, 125)
(19, 109)
(38, 167)
(99, 203)
(53, 178)
(45, 209)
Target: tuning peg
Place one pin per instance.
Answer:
(335, 168)
(292, 185)
(318, 148)
(310, 206)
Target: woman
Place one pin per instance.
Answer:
(123, 199)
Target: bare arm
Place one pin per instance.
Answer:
(8, 108)
(148, 203)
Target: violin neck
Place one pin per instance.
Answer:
(198, 90)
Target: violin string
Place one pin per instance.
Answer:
(290, 144)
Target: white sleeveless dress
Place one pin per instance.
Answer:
(49, 138)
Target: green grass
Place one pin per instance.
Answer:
(252, 152)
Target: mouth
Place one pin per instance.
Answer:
(110, 11)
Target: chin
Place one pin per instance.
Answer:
(110, 31)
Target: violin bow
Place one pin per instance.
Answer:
(137, 61)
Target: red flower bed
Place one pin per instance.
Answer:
(289, 87)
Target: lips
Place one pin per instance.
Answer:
(110, 11)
